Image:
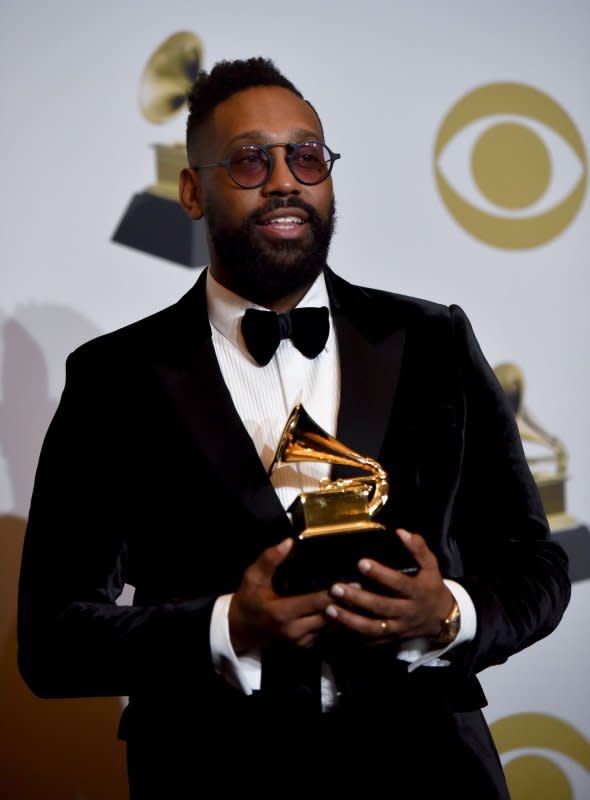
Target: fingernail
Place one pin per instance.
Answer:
(405, 535)
(285, 546)
(364, 565)
(332, 611)
(337, 590)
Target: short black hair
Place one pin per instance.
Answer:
(226, 79)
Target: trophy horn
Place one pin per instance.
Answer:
(168, 76)
(304, 440)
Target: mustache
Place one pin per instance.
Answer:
(276, 203)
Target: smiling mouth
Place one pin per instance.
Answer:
(285, 221)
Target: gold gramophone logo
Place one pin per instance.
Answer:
(165, 81)
(546, 454)
(154, 220)
(510, 165)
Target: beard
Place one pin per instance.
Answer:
(264, 271)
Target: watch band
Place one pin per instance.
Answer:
(449, 627)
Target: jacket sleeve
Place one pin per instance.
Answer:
(73, 638)
(516, 576)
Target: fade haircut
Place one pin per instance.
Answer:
(226, 79)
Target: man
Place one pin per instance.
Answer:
(154, 472)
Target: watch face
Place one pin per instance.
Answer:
(450, 626)
(450, 633)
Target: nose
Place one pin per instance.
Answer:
(282, 181)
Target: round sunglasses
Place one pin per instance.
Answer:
(251, 165)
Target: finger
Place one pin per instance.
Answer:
(418, 548)
(267, 562)
(304, 630)
(372, 603)
(369, 627)
(303, 605)
(277, 554)
(397, 583)
(308, 627)
(307, 641)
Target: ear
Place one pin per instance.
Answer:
(189, 192)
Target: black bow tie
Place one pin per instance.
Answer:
(307, 328)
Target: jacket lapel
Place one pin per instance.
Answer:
(190, 374)
(371, 349)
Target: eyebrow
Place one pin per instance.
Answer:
(259, 136)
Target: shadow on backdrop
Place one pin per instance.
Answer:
(50, 749)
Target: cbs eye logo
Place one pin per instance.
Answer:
(519, 160)
(542, 757)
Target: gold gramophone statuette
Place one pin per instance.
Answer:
(334, 526)
(343, 505)
(546, 453)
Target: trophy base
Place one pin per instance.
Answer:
(344, 527)
(333, 531)
(339, 509)
(318, 561)
(159, 226)
(575, 540)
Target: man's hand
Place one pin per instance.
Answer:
(258, 615)
(419, 603)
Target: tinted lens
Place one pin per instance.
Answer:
(310, 162)
(249, 166)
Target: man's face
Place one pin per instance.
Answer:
(270, 242)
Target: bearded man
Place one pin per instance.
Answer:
(159, 470)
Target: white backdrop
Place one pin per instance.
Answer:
(383, 75)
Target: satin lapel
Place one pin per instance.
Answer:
(191, 375)
(370, 361)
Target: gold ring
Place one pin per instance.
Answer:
(384, 627)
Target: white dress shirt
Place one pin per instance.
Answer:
(264, 398)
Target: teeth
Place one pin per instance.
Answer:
(286, 220)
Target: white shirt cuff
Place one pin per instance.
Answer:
(418, 652)
(242, 673)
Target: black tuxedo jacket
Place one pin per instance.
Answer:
(148, 476)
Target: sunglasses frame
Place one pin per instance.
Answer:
(292, 148)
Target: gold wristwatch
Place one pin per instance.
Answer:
(449, 627)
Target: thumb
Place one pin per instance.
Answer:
(418, 548)
(274, 556)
